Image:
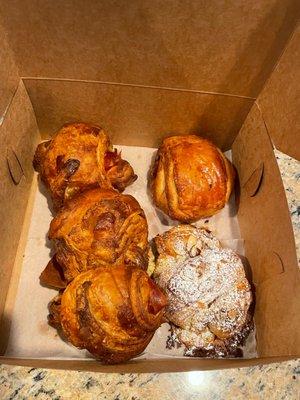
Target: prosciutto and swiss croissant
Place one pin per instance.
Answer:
(111, 312)
(78, 157)
(97, 227)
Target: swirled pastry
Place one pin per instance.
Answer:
(99, 227)
(208, 293)
(78, 157)
(111, 312)
(191, 178)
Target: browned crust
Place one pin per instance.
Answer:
(191, 178)
(74, 160)
(113, 313)
(99, 227)
(229, 348)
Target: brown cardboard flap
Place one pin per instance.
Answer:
(144, 366)
(9, 76)
(14, 166)
(137, 115)
(271, 266)
(19, 135)
(229, 46)
(269, 242)
(280, 100)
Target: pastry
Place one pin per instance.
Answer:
(53, 275)
(78, 157)
(209, 296)
(99, 227)
(191, 178)
(111, 312)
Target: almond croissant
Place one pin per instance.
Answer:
(78, 157)
(191, 178)
(208, 293)
(111, 312)
(99, 227)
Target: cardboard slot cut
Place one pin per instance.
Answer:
(253, 183)
(271, 266)
(14, 167)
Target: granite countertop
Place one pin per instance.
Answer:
(277, 381)
(274, 381)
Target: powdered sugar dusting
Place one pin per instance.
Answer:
(209, 295)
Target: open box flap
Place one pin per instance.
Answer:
(269, 241)
(228, 47)
(19, 136)
(280, 100)
(150, 366)
(9, 76)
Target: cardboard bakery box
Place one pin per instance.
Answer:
(145, 70)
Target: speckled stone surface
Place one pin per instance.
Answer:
(290, 173)
(276, 381)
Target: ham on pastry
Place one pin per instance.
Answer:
(78, 157)
(97, 227)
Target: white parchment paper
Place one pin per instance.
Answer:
(30, 334)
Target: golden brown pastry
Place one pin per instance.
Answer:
(208, 293)
(78, 157)
(99, 227)
(191, 178)
(111, 312)
(53, 275)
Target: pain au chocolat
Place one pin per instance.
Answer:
(191, 178)
(111, 312)
(78, 157)
(97, 227)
